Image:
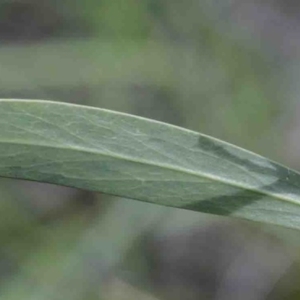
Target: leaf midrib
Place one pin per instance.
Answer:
(159, 165)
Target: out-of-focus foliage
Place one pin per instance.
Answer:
(226, 68)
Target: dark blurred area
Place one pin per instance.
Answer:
(225, 68)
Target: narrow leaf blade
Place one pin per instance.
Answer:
(142, 159)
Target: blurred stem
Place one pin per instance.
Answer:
(94, 257)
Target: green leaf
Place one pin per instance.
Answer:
(132, 157)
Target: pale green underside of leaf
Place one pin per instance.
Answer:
(132, 157)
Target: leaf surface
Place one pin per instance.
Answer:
(142, 159)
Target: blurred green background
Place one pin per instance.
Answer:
(225, 68)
